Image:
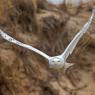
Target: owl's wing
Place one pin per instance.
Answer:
(12, 40)
(76, 39)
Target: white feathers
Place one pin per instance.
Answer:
(76, 39)
(60, 60)
(12, 40)
(56, 2)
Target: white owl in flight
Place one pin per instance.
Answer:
(55, 61)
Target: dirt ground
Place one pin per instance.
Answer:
(49, 28)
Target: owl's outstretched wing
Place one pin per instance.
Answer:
(76, 39)
(12, 40)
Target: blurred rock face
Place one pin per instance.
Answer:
(49, 28)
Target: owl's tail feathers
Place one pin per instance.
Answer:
(67, 66)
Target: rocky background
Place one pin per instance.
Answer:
(49, 28)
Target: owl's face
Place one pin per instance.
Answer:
(56, 62)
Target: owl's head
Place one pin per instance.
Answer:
(56, 62)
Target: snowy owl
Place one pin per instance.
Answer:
(60, 60)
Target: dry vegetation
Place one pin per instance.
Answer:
(49, 28)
